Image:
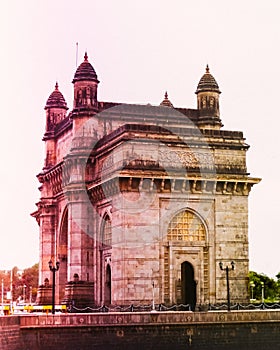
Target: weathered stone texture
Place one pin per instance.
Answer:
(246, 330)
(141, 202)
(10, 337)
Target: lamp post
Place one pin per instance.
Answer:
(24, 293)
(153, 301)
(262, 284)
(30, 295)
(252, 285)
(227, 270)
(11, 288)
(2, 297)
(53, 270)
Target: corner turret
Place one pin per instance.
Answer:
(85, 87)
(208, 102)
(56, 109)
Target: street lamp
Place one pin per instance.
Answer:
(262, 284)
(2, 297)
(24, 293)
(30, 295)
(227, 269)
(11, 288)
(153, 301)
(53, 270)
(252, 285)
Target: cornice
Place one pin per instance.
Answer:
(221, 185)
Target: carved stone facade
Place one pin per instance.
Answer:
(140, 200)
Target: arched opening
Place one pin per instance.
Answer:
(107, 291)
(62, 254)
(106, 233)
(186, 229)
(186, 226)
(105, 245)
(188, 285)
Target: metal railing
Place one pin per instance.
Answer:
(175, 307)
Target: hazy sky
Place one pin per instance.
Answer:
(139, 49)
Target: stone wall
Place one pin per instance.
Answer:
(161, 330)
(10, 336)
(231, 218)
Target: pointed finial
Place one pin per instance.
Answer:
(207, 68)
(166, 101)
(86, 56)
(56, 86)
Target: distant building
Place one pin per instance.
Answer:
(139, 200)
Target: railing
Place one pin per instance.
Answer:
(131, 308)
(138, 308)
(238, 306)
(175, 307)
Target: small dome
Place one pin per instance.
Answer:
(85, 71)
(207, 83)
(166, 102)
(56, 99)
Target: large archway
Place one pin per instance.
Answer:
(188, 288)
(62, 254)
(105, 247)
(187, 245)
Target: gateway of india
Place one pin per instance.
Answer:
(141, 202)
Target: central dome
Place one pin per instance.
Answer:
(85, 71)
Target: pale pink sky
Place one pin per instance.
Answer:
(139, 50)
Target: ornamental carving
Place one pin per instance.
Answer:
(230, 161)
(108, 162)
(187, 159)
(177, 158)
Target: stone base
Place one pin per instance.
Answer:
(44, 295)
(79, 294)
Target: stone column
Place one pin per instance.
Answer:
(47, 252)
(79, 289)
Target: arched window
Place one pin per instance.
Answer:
(186, 226)
(106, 232)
